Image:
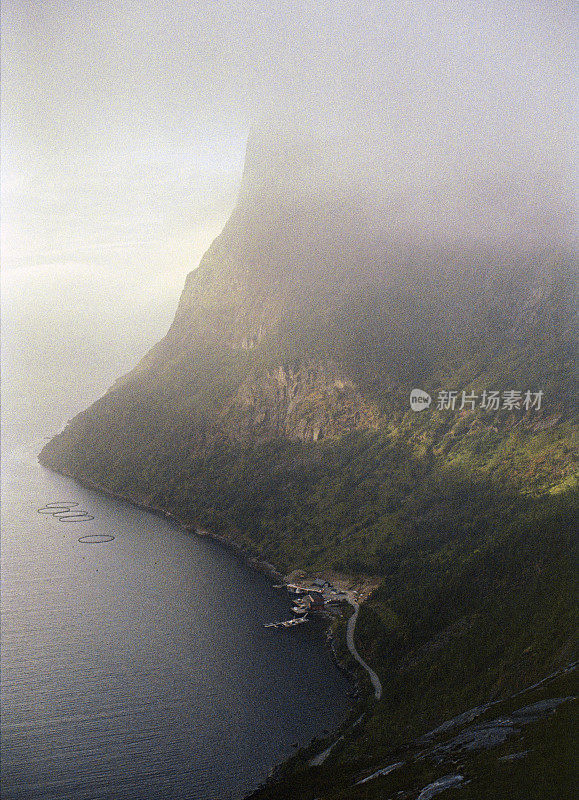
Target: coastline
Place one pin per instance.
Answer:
(340, 660)
(185, 525)
(360, 587)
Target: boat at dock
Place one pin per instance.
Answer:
(288, 623)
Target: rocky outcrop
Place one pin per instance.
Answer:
(307, 402)
(228, 300)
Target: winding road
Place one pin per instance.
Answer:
(352, 648)
(319, 759)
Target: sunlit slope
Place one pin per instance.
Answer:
(238, 437)
(303, 449)
(276, 414)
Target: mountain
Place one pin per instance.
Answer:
(275, 414)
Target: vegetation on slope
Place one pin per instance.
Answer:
(466, 515)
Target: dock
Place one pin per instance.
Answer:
(288, 623)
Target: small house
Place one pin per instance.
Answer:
(316, 601)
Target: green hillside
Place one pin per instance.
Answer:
(303, 450)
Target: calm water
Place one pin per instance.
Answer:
(140, 669)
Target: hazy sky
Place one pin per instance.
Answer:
(124, 130)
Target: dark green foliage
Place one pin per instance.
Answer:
(467, 518)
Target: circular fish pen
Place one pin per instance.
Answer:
(96, 538)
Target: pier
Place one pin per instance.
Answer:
(288, 623)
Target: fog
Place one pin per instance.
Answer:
(125, 126)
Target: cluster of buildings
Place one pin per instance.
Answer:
(310, 598)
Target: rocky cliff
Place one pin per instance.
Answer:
(310, 401)
(275, 413)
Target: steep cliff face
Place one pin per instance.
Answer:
(227, 300)
(294, 243)
(276, 414)
(314, 306)
(308, 403)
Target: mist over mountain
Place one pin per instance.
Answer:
(440, 156)
(404, 221)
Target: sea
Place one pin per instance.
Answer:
(135, 661)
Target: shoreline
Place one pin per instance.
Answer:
(250, 559)
(355, 694)
(364, 586)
